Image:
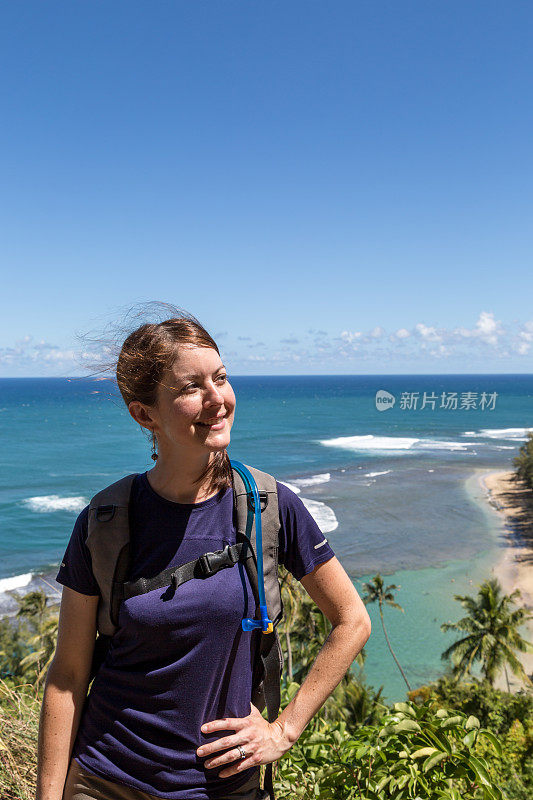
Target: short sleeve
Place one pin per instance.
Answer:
(302, 545)
(76, 570)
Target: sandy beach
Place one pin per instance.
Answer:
(514, 502)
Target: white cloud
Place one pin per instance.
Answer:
(524, 341)
(527, 331)
(487, 329)
(427, 333)
(41, 355)
(350, 336)
(315, 349)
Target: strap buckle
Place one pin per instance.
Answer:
(211, 563)
(263, 500)
(105, 513)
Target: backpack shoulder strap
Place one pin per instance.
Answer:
(269, 657)
(270, 526)
(108, 541)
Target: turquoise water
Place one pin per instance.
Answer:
(396, 491)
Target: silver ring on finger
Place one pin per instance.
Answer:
(241, 751)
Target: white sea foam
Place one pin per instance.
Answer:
(435, 444)
(78, 474)
(323, 515)
(375, 474)
(512, 434)
(313, 480)
(295, 489)
(391, 443)
(370, 442)
(15, 582)
(53, 502)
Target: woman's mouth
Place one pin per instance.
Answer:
(216, 425)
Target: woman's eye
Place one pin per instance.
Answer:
(192, 386)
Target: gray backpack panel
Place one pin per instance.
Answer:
(108, 542)
(270, 526)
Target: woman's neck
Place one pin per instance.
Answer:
(175, 480)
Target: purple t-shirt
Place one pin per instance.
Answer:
(174, 665)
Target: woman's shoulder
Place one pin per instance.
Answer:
(82, 522)
(302, 544)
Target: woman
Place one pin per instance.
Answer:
(169, 712)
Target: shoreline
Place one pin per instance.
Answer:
(514, 504)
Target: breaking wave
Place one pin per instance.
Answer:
(48, 503)
(323, 515)
(15, 582)
(392, 443)
(511, 434)
(312, 480)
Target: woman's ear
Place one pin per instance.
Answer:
(141, 415)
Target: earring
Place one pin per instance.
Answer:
(154, 447)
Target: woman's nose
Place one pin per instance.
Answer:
(214, 395)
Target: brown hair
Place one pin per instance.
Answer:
(148, 352)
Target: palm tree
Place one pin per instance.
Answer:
(310, 628)
(303, 630)
(524, 462)
(292, 597)
(383, 596)
(34, 607)
(45, 642)
(33, 604)
(354, 702)
(491, 634)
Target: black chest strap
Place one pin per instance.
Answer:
(202, 567)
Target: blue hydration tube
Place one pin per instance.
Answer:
(250, 485)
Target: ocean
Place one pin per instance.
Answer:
(387, 465)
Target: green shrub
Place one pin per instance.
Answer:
(507, 716)
(418, 752)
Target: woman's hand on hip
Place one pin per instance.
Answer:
(262, 741)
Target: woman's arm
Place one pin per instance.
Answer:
(334, 593)
(65, 691)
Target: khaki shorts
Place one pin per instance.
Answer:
(82, 785)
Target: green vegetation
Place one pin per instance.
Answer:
(27, 648)
(491, 634)
(411, 751)
(509, 717)
(458, 738)
(523, 462)
(19, 726)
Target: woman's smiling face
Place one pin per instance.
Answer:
(196, 403)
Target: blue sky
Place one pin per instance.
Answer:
(340, 187)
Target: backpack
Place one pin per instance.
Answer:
(108, 542)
